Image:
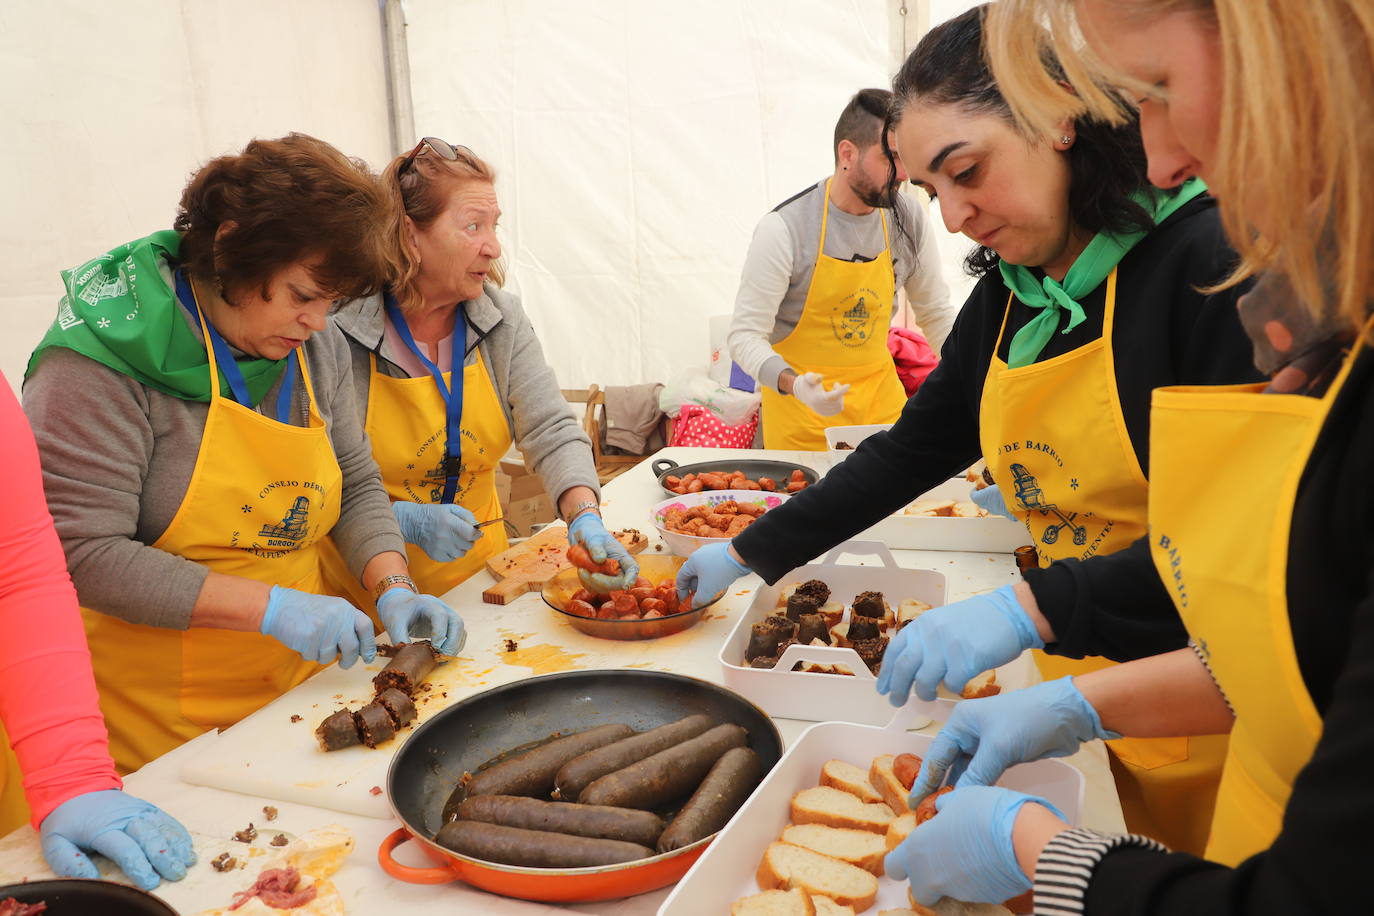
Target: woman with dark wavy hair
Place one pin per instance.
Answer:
(1088, 299)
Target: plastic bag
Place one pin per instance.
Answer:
(729, 405)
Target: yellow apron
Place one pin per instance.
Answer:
(262, 496)
(1055, 439)
(14, 808)
(1222, 551)
(842, 334)
(406, 423)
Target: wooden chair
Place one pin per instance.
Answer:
(607, 466)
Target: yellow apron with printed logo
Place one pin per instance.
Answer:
(262, 496)
(1055, 440)
(406, 423)
(842, 334)
(1222, 552)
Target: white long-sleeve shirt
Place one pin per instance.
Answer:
(782, 255)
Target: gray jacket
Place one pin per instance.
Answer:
(543, 425)
(117, 458)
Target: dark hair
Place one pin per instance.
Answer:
(862, 120)
(1106, 163)
(287, 200)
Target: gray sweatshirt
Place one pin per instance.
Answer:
(541, 422)
(117, 458)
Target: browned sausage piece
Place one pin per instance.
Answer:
(408, 668)
(715, 801)
(532, 772)
(374, 724)
(625, 824)
(338, 731)
(535, 848)
(399, 705)
(665, 776)
(579, 773)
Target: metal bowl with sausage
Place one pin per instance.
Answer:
(755, 469)
(509, 740)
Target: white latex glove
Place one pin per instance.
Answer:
(810, 389)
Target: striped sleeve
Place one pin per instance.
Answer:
(1066, 866)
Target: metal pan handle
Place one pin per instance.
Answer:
(662, 464)
(864, 549)
(406, 873)
(824, 655)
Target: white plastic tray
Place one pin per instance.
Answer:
(851, 436)
(725, 872)
(792, 694)
(993, 534)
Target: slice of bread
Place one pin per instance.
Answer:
(900, 829)
(939, 507)
(848, 778)
(775, 903)
(984, 685)
(832, 611)
(785, 865)
(948, 906)
(882, 778)
(827, 907)
(968, 509)
(909, 609)
(857, 847)
(833, 808)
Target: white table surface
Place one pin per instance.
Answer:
(212, 815)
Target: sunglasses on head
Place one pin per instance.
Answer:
(440, 148)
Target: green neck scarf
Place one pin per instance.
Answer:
(1091, 267)
(119, 311)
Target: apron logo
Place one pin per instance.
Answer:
(282, 534)
(429, 487)
(1175, 570)
(1032, 498)
(854, 324)
(293, 527)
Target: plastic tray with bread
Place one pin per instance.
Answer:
(946, 518)
(811, 696)
(822, 820)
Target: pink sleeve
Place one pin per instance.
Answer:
(48, 700)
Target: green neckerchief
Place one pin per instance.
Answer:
(1091, 267)
(119, 311)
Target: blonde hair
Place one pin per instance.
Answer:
(1296, 120)
(422, 193)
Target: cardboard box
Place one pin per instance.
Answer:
(523, 500)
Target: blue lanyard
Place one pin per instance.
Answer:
(232, 373)
(453, 399)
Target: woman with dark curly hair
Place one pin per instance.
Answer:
(193, 408)
(1088, 299)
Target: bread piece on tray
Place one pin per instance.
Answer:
(848, 778)
(775, 903)
(785, 865)
(882, 778)
(827, 907)
(857, 847)
(833, 808)
(900, 829)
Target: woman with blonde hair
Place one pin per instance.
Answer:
(1260, 504)
(448, 372)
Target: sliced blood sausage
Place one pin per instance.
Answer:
(374, 724)
(532, 772)
(579, 772)
(408, 668)
(338, 731)
(665, 776)
(400, 706)
(625, 824)
(535, 848)
(715, 801)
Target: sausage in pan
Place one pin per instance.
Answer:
(532, 772)
(715, 801)
(535, 848)
(623, 824)
(579, 773)
(665, 776)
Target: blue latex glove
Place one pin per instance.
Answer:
(954, 644)
(983, 738)
(991, 501)
(445, 532)
(590, 531)
(138, 837)
(708, 572)
(319, 627)
(408, 616)
(965, 851)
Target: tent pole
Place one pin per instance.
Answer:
(400, 109)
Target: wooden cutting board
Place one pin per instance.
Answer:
(528, 565)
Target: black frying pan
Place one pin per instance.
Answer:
(753, 468)
(87, 896)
